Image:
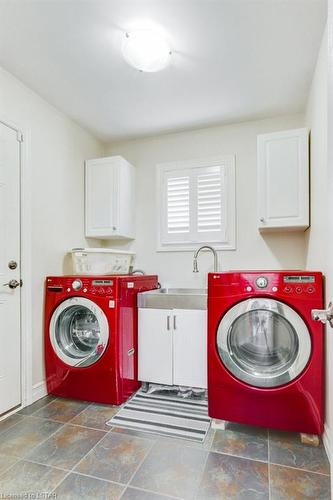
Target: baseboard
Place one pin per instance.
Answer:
(327, 443)
(39, 391)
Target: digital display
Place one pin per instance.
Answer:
(102, 282)
(299, 279)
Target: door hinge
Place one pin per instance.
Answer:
(19, 136)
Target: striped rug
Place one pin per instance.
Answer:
(165, 415)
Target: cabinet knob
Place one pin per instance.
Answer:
(114, 228)
(262, 219)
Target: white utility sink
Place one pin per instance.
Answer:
(174, 298)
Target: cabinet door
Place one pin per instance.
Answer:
(283, 180)
(155, 347)
(190, 347)
(101, 198)
(109, 198)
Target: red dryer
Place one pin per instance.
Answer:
(265, 352)
(91, 336)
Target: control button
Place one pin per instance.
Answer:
(93, 290)
(101, 290)
(77, 285)
(85, 290)
(68, 289)
(274, 289)
(288, 289)
(310, 289)
(249, 288)
(109, 290)
(298, 289)
(261, 282)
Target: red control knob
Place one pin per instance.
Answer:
(298, 289)
(311, 289)
(288, 289)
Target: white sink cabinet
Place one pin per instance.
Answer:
(172, 347)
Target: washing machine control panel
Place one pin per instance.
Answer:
(98, 287)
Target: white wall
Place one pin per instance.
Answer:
(316, 120)
(56, 149)
(329, 234)
(318, 238)
(254, 251)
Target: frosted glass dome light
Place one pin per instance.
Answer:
(146, 50)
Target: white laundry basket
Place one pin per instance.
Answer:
(92, 261)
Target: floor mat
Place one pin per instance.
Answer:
(165, 415)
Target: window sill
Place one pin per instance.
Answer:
(195, 246)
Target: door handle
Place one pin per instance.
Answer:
(168, 322)
(174, 323)
(323, 315)
(13, 284)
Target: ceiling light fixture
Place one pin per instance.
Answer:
(146, 50)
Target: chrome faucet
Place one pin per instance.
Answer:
(195, 258)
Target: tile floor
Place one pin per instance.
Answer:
(64, 448)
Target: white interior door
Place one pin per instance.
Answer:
(10, 342)
(190, 347)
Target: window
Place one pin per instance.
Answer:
(197, 203)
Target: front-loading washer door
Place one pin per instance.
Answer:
(79, 332)
(263, 342)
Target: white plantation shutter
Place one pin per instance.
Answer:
(196, 203)
(178, 205)
(210, 200)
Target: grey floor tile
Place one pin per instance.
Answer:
(78, 487)
(62, 410)
(29, 410)
(67, 446)
(294, 484)
(242, 441)
(171, 470)
(135, 494)
(206, 445)
(20, 439)
(115, 458)
(96, 416)
(228, 478)
(25, 477)
(10, 421)
(286, 448)
(6, 461)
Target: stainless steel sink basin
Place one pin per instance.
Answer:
(174, 298)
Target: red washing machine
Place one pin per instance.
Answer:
(91, 336)
(265, 353)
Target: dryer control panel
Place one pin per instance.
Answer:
(283, 283)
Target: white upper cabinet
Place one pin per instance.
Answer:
(109, 198)
(283, 180)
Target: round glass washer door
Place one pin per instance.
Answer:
(79, 332)
(263, 342)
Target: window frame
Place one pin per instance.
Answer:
(228, 162)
